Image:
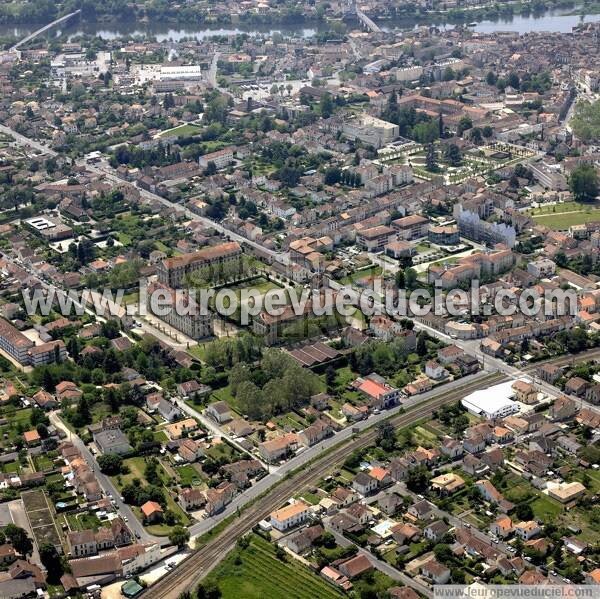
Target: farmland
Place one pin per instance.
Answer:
(255, 572)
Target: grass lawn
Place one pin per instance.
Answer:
(593, 479)
(255, 573)
(546, 509)
(222, 449)
(83, 521)
(549, 209)
(136, 466)
(11, 468)
(225, 395)
(564, 221)
(182, 131)
(371, 271)
(42, 462)
(188, 475)
(124, 238)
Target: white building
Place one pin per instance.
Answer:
(290, 516)
(221, 158)
(493, 402)
(370, 130)
(544, 267)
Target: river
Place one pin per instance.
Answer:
(553, 20)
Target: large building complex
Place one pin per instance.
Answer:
(206, 262)
(24, 350)
(370, 130)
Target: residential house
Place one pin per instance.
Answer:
(290, 516)
(219, 411)
(527, 530)
(436, 572)
(364, 484)
(436, 530)
(502, 526)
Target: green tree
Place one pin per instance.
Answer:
(583, 183)
(18, 539)
(422, 343)
(179, 536)
(208, 590)
(586, 121)
(452, 155)
(430, 159)
(400, 279)
(52, 561)
(110, 464)
(326, 106)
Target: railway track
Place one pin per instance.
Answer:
(200, 563)
(190, 572)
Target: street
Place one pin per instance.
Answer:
(107, 485)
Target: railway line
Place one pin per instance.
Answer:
(190, 572)
(200, 563)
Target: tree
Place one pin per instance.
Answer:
(330, 378)
(586, 121)
(326, 106)
(452, 155)
(583, 183)
(400, 279)
(211, 168)
(110, 464)
(179, 536)
(464, 124)
(410, 278)
(52, 562)
(422, 344)
(430, 159)
(524, 511)
(18, 539)
(513, 80)
(208, 590)
(491, 78)
(386, 436)
(417, 479)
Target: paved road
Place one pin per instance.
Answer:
(109, 173)
(473, 348)
(474, 381)
(106, 483)
(20, 519)
(380, 564)
(27, 142)
(214, 428)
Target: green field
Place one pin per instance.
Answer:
(546, 509)
(563, 221)
(255, 573)
(364, 273)
(565, 215)
(182, 131)
(558, 208)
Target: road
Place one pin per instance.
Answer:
(106, 483)
(301, 460)
(314, 453)
(380, 564)
(213, 427)
(203, 561)
(472, 347)
(107, 172)
(27, 142)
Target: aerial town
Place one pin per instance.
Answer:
(298, 299)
